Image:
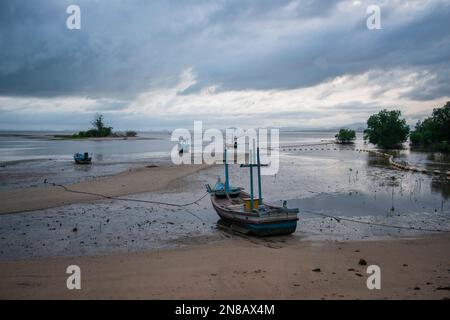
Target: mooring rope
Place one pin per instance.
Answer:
(130, 199)
(338, 219)
(134, 200)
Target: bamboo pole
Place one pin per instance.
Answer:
(227, 183)
(259, 176)
(252, 206)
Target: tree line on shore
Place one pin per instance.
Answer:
(388, 130)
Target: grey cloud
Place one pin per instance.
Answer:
(126, 47)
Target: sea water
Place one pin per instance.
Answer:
(331, 180)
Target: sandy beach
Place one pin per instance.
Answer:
(242, 268)
(132, 250)
(129, 182)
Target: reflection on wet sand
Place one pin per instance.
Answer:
(441, 185)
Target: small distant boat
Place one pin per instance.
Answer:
(219, 190)
(183, 146)
(242, 212)
(82, 158)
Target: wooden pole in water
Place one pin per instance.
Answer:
(227, 184)
(251, 180)
(259, 176)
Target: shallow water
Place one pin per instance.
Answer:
(342, 183)
(26, 161)
(364, 194)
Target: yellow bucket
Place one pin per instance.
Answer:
(248, 201)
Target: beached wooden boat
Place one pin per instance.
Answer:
(264, 221)
(244, 213)
(82, 158)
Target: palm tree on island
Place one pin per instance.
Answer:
(100, 130)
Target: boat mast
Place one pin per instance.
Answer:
(259, 176)
(251, 164)
(227, 184)
(251, 180)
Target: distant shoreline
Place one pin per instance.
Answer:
(69, 137)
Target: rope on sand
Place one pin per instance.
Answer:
(130, 199)
(338, 219)
(134, 200)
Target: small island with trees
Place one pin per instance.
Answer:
(345, 136)
(99, 130)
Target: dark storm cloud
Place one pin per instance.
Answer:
(127, 47)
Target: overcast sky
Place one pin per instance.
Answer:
(163, 64)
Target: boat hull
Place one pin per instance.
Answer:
(80, 158)
(260, 230)
(231, 194)
(254, 224)
(83, 161)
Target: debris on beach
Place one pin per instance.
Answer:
(362, 262)
(443, 288)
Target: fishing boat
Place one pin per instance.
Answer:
(82, 158)
(183, 146)
(220, 191)
(245, 213)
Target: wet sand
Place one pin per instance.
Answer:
(131, 250)
(129, 182)
(244, 268)
(111, 226)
